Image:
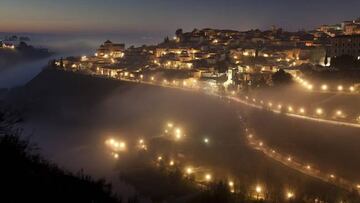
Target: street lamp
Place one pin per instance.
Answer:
(189, 170)
(258, 190)
(208, 177)
(352, 89)
(290, 195)
(319, 111)
(324, 87)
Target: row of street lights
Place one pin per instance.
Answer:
(325, 87)
(329, 177)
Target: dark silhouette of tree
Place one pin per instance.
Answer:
(281, 78)
(27, 177)
(179, 32)
(61, 62)
(215, 193)
(345, 62)
(326, 59)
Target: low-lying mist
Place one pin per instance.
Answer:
(64, 45)
(72, 116)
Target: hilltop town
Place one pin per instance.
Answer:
(246, 59)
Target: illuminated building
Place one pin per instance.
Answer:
(109, 49)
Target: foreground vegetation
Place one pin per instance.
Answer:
(26, 176)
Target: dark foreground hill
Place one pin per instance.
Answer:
(27, 177)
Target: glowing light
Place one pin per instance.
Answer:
(332, 176)
(115, 145)
(340, 88)
(122, 145)
(302, 110)
(270, 104)
(250, 136)
(178, 136)
(170, 125)
(339, 113)
(171, 163)
(206, 140)
(208, 177)
(324, 87)
(279, 106)
(261, 144)
(142, 145)
(290, 195)
(289, 159)
(310, 87)
(231, 184)
(83, 58)
(258, 189)
(352, 89)
(152, 78)
(290, 109)
(308, 167)
(319, 111)
(116, 155)
(111, 141)
(159, 158)
(189, 170)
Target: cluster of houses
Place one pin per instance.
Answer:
(11, 42)
(351, 27)
(212, 53)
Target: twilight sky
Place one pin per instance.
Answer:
(164, 16)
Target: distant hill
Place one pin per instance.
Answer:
(21, 54)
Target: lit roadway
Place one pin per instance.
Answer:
(236, 99)
(333, 122)
(298, 166)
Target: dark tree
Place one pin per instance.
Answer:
(179, 32)
(326, 59)
(215, 193)
(27, 177)
(345, 62)
(281, 78)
